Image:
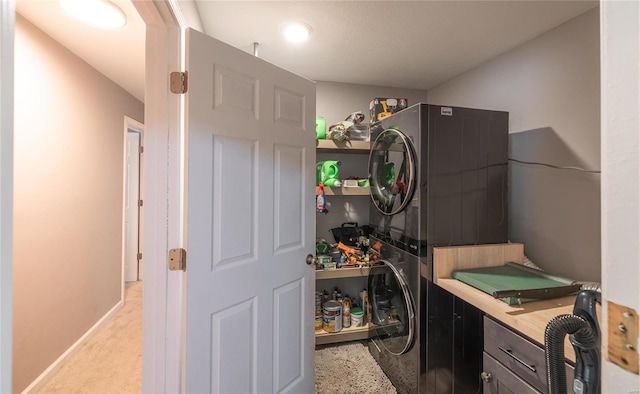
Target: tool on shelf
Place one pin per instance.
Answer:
(353, 255)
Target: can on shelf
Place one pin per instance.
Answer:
(357, 317)
(318, 321)
(332, 316)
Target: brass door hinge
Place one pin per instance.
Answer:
(140, 203)
(139, 256)
(179, 82)
(177, 259)
(141, 149)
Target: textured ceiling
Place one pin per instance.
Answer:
(409, 44)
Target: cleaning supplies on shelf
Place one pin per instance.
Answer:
(346, 311)
(321, 128)
(321, 201)
(328, 173)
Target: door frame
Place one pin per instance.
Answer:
(7, 33)
(162, 291)
(131, 125)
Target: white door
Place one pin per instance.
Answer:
(131, 209)
(250, 222)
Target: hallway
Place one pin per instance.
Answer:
(111, 360)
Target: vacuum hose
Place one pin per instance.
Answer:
(584, 336)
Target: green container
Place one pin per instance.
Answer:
(327, 172)
(357, 317)
(321, 128)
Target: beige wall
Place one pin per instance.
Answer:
(69, 123)
(551, 88)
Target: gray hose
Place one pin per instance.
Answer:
(554, 335)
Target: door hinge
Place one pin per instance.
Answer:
(179, 82)
(140, 203)
(139, 256)
(141, 149)
(177, 259)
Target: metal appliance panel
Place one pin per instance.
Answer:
(396, 349)
(461, 199)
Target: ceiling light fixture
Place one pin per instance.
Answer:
(101, 13)
(297, 32)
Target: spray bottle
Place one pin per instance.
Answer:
(321, 202)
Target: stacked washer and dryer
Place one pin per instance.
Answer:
(438, 178)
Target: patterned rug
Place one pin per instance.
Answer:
(349, 369)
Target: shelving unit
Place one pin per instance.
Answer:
(332, 146)
(334, 150)
(346, 191)
(346, 334)
(342, 273)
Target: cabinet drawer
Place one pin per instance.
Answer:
(500, 380)
(523, 357)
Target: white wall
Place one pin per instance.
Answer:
(68, 199)
(620, 40)
(551, 88)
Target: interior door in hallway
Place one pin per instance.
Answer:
(132, 209)
(250, 152)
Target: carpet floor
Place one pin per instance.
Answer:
(111, 361)
(349, 369)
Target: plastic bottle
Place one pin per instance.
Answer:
(346, 311)
(321, 202)
(364, 296)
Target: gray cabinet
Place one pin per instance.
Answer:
(514, 364)
(498, 379)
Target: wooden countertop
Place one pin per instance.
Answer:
(529, 319)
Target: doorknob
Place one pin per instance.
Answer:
(311, 260)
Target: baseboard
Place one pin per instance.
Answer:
(44, 376)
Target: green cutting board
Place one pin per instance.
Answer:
(511, 276)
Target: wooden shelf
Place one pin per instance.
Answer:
(342, 146)
(346, 334)
(347, 191)
(342, 273)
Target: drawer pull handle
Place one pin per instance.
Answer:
(509, 353)
(486, 377)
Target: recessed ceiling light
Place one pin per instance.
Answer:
(297, 32)
(101, 13)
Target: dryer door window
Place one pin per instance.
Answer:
(392, 308)
(392, 171)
